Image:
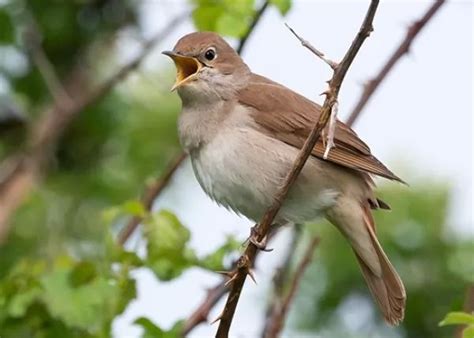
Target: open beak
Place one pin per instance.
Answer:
(187, 68)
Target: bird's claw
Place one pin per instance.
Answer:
(261, 245)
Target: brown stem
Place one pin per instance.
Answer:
(51, 125)
(265, 224)
(253, 24)
(276, 320)
(150, 195)
(402, 49)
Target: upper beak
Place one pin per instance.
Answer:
(187, 68)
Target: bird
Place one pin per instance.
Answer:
(243, 131)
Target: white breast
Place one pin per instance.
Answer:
(241, 169)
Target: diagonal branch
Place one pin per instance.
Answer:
(151, 193)
(276, 319)
(314, 50)
(263, 228)
(51, 125)
(402, 49)
(253, 24)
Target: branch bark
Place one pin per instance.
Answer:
(151, 193)
(51, 125)
(276, 318)
(248, 257)
(404, 47)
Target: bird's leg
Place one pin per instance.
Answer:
(254, 234)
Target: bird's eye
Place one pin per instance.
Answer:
(210, 54)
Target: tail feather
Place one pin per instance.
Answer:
(387, 289)
(356, 223)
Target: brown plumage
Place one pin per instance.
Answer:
(290, 117)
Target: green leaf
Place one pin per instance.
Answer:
(454, 318)
(232, 25)
(7, 30)
(82, 273)
(20, 302)
(88, 306)
(468, 332)
(282, 5)
(214, 261)
(205, 17)
(150, 330)
(134, 208)
(167, 252)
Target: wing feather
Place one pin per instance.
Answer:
(289, 117)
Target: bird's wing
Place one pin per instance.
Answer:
(289, 117)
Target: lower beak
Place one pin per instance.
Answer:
(187, 68)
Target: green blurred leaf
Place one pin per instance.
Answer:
(151, 330)
(231, 24)
(214, 261)
(226, 17)
(205, 17)
(88, 306)
(20, 302)
(282, 5)
(82, 273)
(454, 318)
(167, 252)
(7, 30)
(468, 332)
(134, 208)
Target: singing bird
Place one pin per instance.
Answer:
(243, 133)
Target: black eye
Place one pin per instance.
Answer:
(210, 54)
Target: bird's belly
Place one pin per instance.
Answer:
(242, 169)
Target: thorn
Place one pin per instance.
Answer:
(217, 319)
(326, 92)
(252, 275)
(229, 274)
(230, 280)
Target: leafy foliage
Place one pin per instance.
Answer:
(460, 318)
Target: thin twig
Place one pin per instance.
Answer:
(314, 50)
(33, 38)
(201, 314)
(150, 195)
(276, 320)
(251, 28)
(371, 86)
(263, 228)
(51, 125)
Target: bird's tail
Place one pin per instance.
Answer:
(357, 224)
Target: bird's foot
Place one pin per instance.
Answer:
(262, 244)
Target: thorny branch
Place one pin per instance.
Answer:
(372, 85)
(265, 224)
(44, 134)
(314, 50)
(402, 48)
(276, 318)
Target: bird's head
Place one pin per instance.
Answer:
(207, 66)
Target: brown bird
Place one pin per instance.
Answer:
(243, 132)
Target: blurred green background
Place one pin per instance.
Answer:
(61, 272)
